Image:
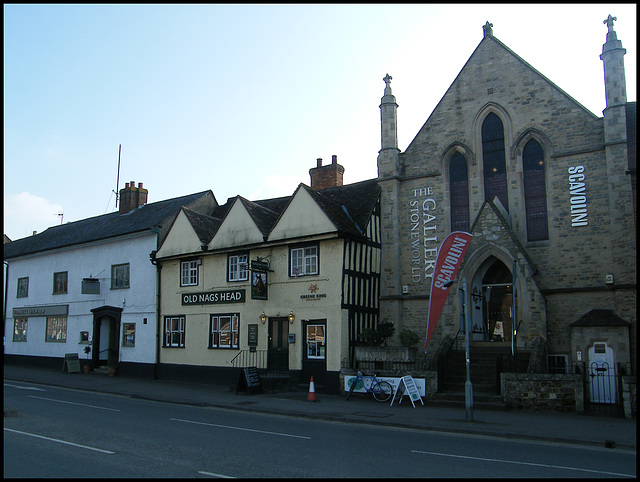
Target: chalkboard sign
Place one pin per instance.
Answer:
(71, 363)
(249, 381)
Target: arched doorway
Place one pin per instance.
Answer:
(492, 302)
(106, 335)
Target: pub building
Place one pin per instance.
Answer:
(545, 187)
(283, 285)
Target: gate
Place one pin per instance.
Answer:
(602, 388)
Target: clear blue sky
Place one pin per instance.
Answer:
(242, 99)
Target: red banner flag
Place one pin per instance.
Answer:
(449, 259)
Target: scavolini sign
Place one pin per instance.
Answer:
(214, 297)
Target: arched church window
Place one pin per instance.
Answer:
(459, 189)
(493, 160)
(535, 193)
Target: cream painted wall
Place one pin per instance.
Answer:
(181, 238)
(237, 229)
(303, 217)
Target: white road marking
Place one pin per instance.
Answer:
(24, 388)
(522, 463)
(240, 428)
(59, 441)
(215, 475)
(74, 403)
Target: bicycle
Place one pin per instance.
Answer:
(380, 389)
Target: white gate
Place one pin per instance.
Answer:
(602, 376)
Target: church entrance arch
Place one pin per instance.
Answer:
(491, 301)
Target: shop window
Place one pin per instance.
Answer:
(238, 267)
(56, 329)
(128, 334)
(493, 160)
(224, 331)
(20, 329)
(119, 276)
(535, 194)
(23, 288)
(316, 343)
(459, 191)
(189, 272)
(60, 282)
(303, 261)
(174, 329)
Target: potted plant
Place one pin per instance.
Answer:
(87, 365)
(409, 339)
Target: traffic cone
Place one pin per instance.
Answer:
(312, 391)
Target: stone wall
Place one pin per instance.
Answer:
(540, 391)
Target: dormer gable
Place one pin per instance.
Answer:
(185, 235)
(303, 217)
(238, 227)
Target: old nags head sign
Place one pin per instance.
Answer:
(214, 297)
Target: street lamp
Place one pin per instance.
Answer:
(468, 387)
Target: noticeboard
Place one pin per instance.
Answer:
(71, 363)
(249, 381)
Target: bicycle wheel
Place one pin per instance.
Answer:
(382, 391)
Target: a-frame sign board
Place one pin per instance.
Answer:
(407, 386)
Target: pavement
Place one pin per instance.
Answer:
(531, 425)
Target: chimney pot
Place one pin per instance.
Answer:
(334, 159)
(140, 185)
(319, 161)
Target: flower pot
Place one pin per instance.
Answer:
(86, 368)
(112, 371)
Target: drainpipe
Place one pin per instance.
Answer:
(4, 307)
(154, 262)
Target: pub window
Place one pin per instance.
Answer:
(535, 193)
(224, 331)
(459, 189)
(303, 261)
(20, 329)
(189, 272)
(128, 334)
(23, 287)
(56, 329)
(238, 267)
(60, 282)
(174, 328)
(119, 276)
(493, 160)
(316, 343)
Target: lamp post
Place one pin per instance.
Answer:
(466, 326)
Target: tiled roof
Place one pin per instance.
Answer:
(204, 226)
(101, 227)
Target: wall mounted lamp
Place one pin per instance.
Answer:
(263, 318)
(291, 316)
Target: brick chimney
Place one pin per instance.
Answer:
(132, 197)
(324, 177)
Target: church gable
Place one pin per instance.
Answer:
(303, 217)
(523, 98)
(237, 229)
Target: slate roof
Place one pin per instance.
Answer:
(98, 228)
(600, 317)
(349, 207)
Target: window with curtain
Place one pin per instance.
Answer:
(535, 194)
(459, 189)
(493, 160)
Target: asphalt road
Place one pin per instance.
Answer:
(58, 432)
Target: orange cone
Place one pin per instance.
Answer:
(312, 391)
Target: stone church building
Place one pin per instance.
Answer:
(547, 190)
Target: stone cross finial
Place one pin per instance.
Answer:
(387, 80)
(609, 21)
(488, 31)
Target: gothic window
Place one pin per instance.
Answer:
(535, 194)
(459, 189)
(493, 160)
